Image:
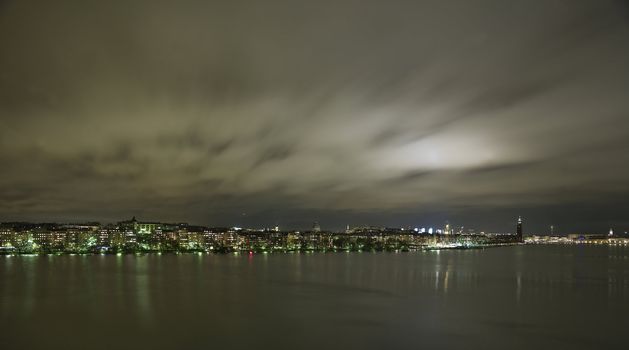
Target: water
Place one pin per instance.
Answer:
(520, 297)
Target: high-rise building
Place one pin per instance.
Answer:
(316, 227)
(518, 230)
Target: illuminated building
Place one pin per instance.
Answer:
(58, 239)
(42, 238)
(130, 238)
(145, 227)
(6, 237)
(138, 227)
(72, 238)
(103, 238)
(518, 230)
(116, 238)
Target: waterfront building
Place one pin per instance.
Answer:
(103, 238)
(6, 237)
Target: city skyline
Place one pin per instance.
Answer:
(135, 236)
(250, 114)
(428, 228)
(315, 226)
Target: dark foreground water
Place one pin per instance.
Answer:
(543, 297)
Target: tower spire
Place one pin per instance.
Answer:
(518, 230)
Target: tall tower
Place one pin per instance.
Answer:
(518, 229)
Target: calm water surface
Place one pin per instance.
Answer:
(557, 297)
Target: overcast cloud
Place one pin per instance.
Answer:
(287, 112)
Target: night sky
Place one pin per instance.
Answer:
(257, 113)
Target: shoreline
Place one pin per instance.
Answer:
(255, 252)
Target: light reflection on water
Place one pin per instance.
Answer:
(527, 296)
